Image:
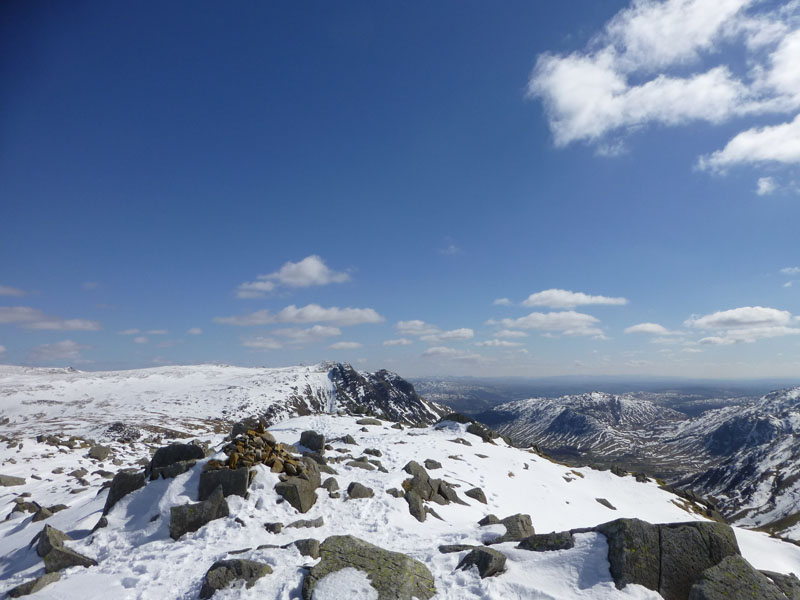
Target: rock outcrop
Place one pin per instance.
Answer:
(225, 572)
(191, 517)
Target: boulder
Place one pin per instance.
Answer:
(300, 493)
(606, 503)
(307, 547)
(488, 520)
(415, 505)
(10, 480)
(360, 464)
(476, 494)
(517, 526)
(42, 514)
(191, 517)
(368, 421)
(275, 527)
(330, 484)
(432, 464)
(788, 584)
(733, 578)
(49, 538)
(633, 552)
(357, 490)
(173, 470)
(30, 587)
(488, 561)
(99, 452)
(173, 453)
(349, 439)
(124, 483)
(544, 542)
(62, 558)
(449, 494)
(225, 572)
(420, 482)
(395, 576)
(373, 452)
(301, 523)
(452, 548)
(232, 481)
(313, 441)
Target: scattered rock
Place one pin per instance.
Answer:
(349, 439)
(395, 576)
(488, 520)
(42, 514)
(191, 517)
(300, 493)
(369, 421)
(232, 481)
(358, 464)
(318, 522)
(415, 505)
(517, 526)
(225, 572)
(173, 470)
(30, 587)
(395, 492)
(330, 484)
(453, 548)
(60, 558)
(49, 538)
(102, 522)
(606, 503)
(733, 578)
(489, 561)
(397, 426)
(476, 494)
(449, 494)
(788, 584)
(373, 452)
(313, 441)
(275, 527)
(99, 452)
(432, 464)
(308, 547)
(357, 490)
(173, 453)
(461, 441)
(78, 473)
(545, 542)
(124, 483)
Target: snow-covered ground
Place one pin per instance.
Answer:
(138, 560)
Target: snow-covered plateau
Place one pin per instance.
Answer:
(47, 418)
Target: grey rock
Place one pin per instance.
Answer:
(488, 561)
(191, 517)
(425, 487)
(357, 490)
(432, 464)
(99, 452)
(49, 538)
(300, 493)
(415, 505)
(232, 481)
(10, 480)
(788, 584)
(733, 578)
(373, 452)
(311, 472)
(62, 558)
(308, 547)
(301, 523)
(395, 576)
(397, 426)
(173, 453)
(275, 527)
(606, 503)
(360, 465)
(42, 514)
(395, 492)
(477, 494)
(316, 457)
(78, 473)
(124, 483)
(368, 421)
(313, 441)
(453, 548)
(633, 552)
(517, 526)
(544, 542)
(488, 520)
(348, 439)
(334, 495)
(481, 431)
(330, 484)
(449, 494)
(173, 470)
(30, 587)
(225, 572)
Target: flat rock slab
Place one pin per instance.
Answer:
(225, 572)
(546, 542)
(488, 561)
(191, 517)
(173, 453)
(63, 558)
(234, 482)
(394, 575)
(123, 484)
(733, 578)
(33, 586)
(304, 523)
(453, 548)
(369, 421)
(10, 480)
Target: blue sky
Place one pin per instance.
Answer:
(449, 188)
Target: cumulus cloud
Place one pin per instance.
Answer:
(32, 318)
(502, 302)
(461, 334)
(312, 270)
(765, 186)
(790, 271)
(660, 62)
(415, 327)
(7, 290)
(195, 331)
(510, 333)
(555, 298)
(651, 328)
(398, 342)
(568, 323)
(262, 343)
(308, 335)
(306, 314)
(129, 331)
(744, 324)
(58, 351)
(447, 353)
(345, 346)
(498, 344)
(156, 332)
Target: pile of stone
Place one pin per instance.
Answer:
(258, 446)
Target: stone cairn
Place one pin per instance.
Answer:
(255, 446)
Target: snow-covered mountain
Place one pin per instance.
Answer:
(139, 551)
(193, 399)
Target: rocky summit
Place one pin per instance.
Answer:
(348, 502)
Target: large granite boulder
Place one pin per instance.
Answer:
(225, 572)
(33, 586)
(488, 561)
(124, 483)
(733, 578)
(49, 538)
(232, 481)
(633, 552)
(10, 480)
(173, 453)
(395, 576)
(546, 542)
(191, 517)
(62, 558)
(299, 492)
(517, 526)
(313, 441)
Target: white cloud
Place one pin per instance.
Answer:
(415, 327)
(312, 270)
(776, 143)
(90, 285)
(452, 354)
(498, 344)
(788, 284)
(555, 298)
(308, 335)
(510, 333)
(651, 328)
(766, 186)
(464, 333)
(262, 343)
(450, 250)
(502, 302)
(157, 332)
(7, 290)
(32, 318)
(306, 314)
(569, 323)
(195, 331)
(790, 271)
(345, 346)
(744, 324)
(398, 342)
(140, 339)
(2, 349)
(129, 331)
(58, 351)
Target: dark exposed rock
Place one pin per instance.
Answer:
(99, 452)
(173, 453)
(360, 464)
(449, 494)
(488, 561)
(275, 527)
(42, 514)
(78, 473)
(308, 547)
(300, 493)
(397, 426)
(357, 490)
(489, 520)
(415, 505)
(517, 526)
(348, 439)
(733, 578)
(477, 494)
(330, 484)
(304, 523)
(633, 552)
(606, 503)
(225, 572)
(453, 548)
(30, 587)
(62, 558)
(49, 538)
(395, 576)
(544, 542)
(313, 441)
(191, 517)
(10, 480)
(788, 584)
(124, 483)
(232, 481)
(173, 470)
(432, 464)
(395, 492)
(373, 452)
(368, 421)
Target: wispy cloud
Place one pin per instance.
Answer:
(345, 346)
(650, 328)
(7, 290)
(502, 302)
(510, 333)
(463, 333)
(195, 331)
(555, 298)
(415, 327)
(766, 186)
(32, 318)
(791, 271)
(444, 352)
(57, 352)
(262, 343)
(308, 335)
(310, 271)
(306, 314)
(569, 323)
(398, 342)
(498, 344)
